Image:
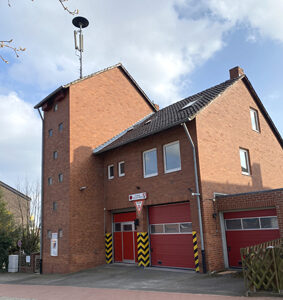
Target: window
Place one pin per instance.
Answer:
(55, 155)
(55, 107)
(186, 227)
(60, 177)
(50, 132)
(254, 119)
(49, 234)
(235, 224)
(269, 222)
(60, 233)
(245, 164)
(110, 171)
(60, 127)
(121, 168)
(257, 223)
(156, 228)
(54, 206)
(50, 181)
(171, 228)
(150, 163)
(172, 160)
(251, 223)
(117, 227)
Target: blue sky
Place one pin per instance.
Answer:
(172, 48)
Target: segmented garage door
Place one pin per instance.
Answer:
(171, 236)
(248, 228)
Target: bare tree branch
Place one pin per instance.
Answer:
(7, 44)
(74, 12)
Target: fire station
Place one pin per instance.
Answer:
(185, 186)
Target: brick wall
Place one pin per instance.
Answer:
(95, 110)
(222, 128)
(54, 220)
(16, 203)
(161, 189)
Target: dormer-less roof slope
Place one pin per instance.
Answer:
(119, 65)
(167, 117)
(6, 186)
(179, 112)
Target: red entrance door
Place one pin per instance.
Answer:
(125, 238)
(128, 242)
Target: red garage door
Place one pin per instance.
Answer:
(171, 236)
(248, 228)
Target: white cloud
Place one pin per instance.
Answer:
(20, 140)
(263, 15)
(153, 41)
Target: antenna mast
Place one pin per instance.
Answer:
(80, 22)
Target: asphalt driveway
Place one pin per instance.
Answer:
(127, 277)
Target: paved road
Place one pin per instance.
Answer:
(135, 278)
(32, 292)
(113, 282)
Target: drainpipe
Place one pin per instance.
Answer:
(41, 208)
(198, 197)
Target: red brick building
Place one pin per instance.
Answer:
(104, 140)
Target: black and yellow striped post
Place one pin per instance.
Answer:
(108, 248)
(143, 249)
(196, 251)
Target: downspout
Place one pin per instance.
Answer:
(41, 204)
(198, 197)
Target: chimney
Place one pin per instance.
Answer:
(156, 106)
(236, 72)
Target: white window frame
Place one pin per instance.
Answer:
(108, 168)
(254, 116)
(247, 156)
(119, 168)
(164, 158)
(143, 158)
(168, 233)
(245, 229)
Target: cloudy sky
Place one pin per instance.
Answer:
(173, 48)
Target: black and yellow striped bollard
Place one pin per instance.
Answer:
(196, 251)
(108, 248)
(143, 249)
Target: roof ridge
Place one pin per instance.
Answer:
(14, 190)
(93, 74)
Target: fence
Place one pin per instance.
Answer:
(263, 267)
(30, 265)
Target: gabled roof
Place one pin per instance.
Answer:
(168, 117)
(119, 65)
(6, 186)
(179, 112)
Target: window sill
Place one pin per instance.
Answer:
(151, 175)
(173, 170)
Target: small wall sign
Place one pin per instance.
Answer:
(139, 196)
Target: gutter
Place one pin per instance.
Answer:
(41, 204)
(197, 193)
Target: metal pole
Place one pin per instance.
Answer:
(41, 208)
(81, 53)
(198, 197)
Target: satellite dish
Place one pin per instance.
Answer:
(80, 22)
